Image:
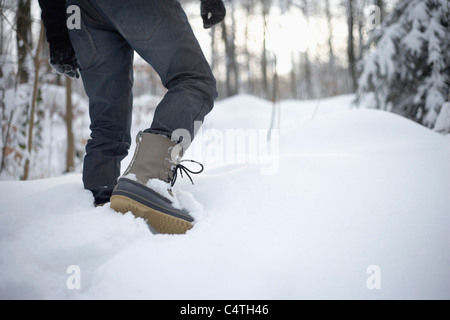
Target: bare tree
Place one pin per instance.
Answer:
(350, 46)
(248, 5)
(331, 57)
(36, 61)
(232, 78)
(265, 80)
(23, 38)
(70, 158)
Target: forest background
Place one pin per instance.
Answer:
(393, 55)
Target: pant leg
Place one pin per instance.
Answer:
(105, 60)
(160, 32)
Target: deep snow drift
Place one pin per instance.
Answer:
(343, 204)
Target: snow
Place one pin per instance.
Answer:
(355, 206)
(443, 120)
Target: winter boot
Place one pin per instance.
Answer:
(156, 157)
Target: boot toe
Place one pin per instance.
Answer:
(143, 202)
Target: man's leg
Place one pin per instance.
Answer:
(105, 60)
(160, 32)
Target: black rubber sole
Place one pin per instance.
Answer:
(131, 196)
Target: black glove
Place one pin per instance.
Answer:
(213, 12)
(63, 59)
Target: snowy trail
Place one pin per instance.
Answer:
(356, 189)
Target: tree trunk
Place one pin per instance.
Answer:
(26, 170)
(233, 52)
(70, 160)
(228, 89)
(307, 74)
(265, 80)
(331, 72)
(250, 85)
(294, 80)
(231, 64)
(331, 58)
(23, 38)
(351, 47)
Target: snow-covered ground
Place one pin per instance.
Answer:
(343, 203)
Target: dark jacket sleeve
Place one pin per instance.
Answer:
(55, 20)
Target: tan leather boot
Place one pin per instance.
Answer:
(156, 157)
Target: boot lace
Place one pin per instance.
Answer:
(181, 168)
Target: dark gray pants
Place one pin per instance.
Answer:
(159, 31)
